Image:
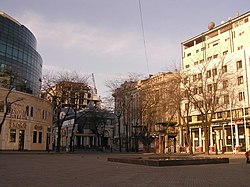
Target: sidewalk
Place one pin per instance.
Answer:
(93, 170)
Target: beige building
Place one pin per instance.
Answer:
(160, 109)
(73, 94)
(28, 124)
(148, 113)
(216, 67)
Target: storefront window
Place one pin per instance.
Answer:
(12, 135)
(40, 137)
(34, 136)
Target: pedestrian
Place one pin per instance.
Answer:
(247, 154)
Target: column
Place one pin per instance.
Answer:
(166, 143)
(237, 143)
(193, 139)
(160, 144)
(247, 139)
(180, 140)
(223, 138)
(200, 140)
(211, 140)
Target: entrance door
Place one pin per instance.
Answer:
(21, 140)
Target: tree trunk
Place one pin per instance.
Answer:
(58, 143)
(119, 134)
(206, 132)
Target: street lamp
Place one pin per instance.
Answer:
(155, 136)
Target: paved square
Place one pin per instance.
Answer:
(93, 170)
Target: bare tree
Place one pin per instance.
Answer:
(7, 81)
(206, 91)
(64, 90)
(122, 94)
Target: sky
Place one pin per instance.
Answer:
(105, 37)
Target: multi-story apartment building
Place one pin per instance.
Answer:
(76, 95)
(160, 109)
(216, 66)
(28, 121)
(127, 111)
(148, 113)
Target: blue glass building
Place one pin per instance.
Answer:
(18, 53)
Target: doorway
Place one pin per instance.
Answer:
(21, 140)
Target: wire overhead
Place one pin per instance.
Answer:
(143, 35)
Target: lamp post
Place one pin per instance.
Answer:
(155, 136)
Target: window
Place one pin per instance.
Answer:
(240, 47)
(189, 54)
(226, 99)
(214, 71)
(240, 80)
(185, 80)
(203, 48)
(215, 44)
(201, 61)
(197, 51)
(1, 106)
(215, 86)
(225, 84)
(185, 93)
(31, 111)
(241, 96)
(219, 115)
(196, 63)
(209, 58)
(246, 111)
(27, 110)
(34, 136)
(239, 64)
(208, 73)
(199, 76)
(40, 137)
(225, 53)
(194, 78)
(200, 104)
(216, 100)
(8, 107)
(215, 56)
(200, 90)
(224, 69)
(195, 90)
(12, 135)
(241, 33)
(209, 88)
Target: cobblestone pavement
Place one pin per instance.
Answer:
(93, 170)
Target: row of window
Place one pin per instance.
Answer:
(214, 72)
(37, 136)
(29, 111)
(227, 114)
(226, 100)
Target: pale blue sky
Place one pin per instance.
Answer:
(104, 36)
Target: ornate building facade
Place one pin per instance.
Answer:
(26, 119)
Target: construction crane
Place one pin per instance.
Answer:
(94, 86)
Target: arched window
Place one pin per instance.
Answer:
(27, 110)
(31, 111)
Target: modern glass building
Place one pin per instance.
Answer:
(18, 55)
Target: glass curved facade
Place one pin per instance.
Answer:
(18, 54)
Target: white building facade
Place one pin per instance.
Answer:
(218, 61)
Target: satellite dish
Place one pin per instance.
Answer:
(211, 25)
